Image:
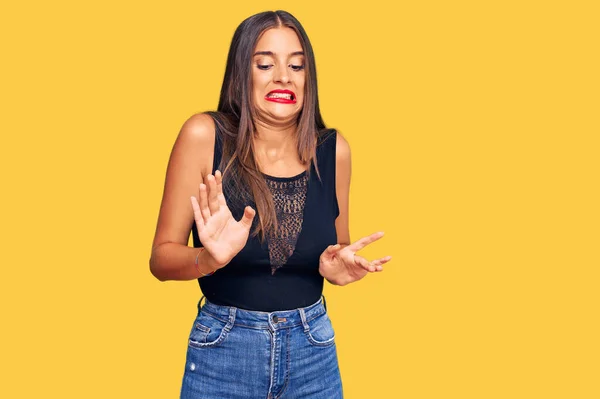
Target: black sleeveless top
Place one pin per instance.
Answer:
(283, 272)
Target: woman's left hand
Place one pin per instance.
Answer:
(340, 264)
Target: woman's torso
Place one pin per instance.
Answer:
(282, 272)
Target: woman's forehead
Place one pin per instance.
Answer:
(278, 42)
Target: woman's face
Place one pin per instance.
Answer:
(278, 76)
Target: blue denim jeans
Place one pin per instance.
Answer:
(236, 353)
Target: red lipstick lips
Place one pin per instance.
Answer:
(281, 99)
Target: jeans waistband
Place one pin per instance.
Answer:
(264, 320)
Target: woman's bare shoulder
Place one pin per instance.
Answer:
(196, 141)
(199, 127)
(342, 149)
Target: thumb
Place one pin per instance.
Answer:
(248, 216)
(332, 249)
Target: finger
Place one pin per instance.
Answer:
(204, 203)
(219, 180)
(248, 216)
(330, 251)
(221, 198)
(333, 249)
(378, 263)
(381, 261)
(197, 214)
(220, 195)
(213, 202)
(362, 262)
(363, 242)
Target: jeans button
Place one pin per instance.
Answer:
(275, 319)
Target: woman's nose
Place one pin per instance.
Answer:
(282, 75)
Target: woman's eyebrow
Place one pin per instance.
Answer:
(273, 54)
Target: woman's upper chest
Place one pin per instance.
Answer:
(283, 167)
(306, 221)
(279, 160)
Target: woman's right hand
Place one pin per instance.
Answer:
(221, 235)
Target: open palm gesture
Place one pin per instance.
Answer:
(341, 265)
(221, 235)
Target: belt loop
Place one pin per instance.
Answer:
(303, 318)
(200, 301)
(324, 303)
(232, 314)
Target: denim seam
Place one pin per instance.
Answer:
(202, 328)
(271, 371)
(224, 333)
(287, 369)
(309, 336)
(313, 341)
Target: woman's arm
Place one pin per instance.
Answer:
(343, 170)
(191, 158)
(340, 264)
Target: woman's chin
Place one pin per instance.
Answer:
(283, 115)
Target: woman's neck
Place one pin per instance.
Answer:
(274, 143)
(275, 140)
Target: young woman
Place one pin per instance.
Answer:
(263, 186)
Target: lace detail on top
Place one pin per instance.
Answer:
(289, 197)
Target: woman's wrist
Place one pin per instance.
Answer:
(204, 263)
(331, 277)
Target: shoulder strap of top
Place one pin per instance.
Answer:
(218, 149)
(218, 153)
(326, 153)
(326, 160)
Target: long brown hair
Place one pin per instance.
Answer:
(241, 175)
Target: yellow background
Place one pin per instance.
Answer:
(474, 130)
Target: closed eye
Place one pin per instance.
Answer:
(267, 67)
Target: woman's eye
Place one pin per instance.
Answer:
(266, 67)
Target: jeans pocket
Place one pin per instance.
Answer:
(208, 331)
(320, 331)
